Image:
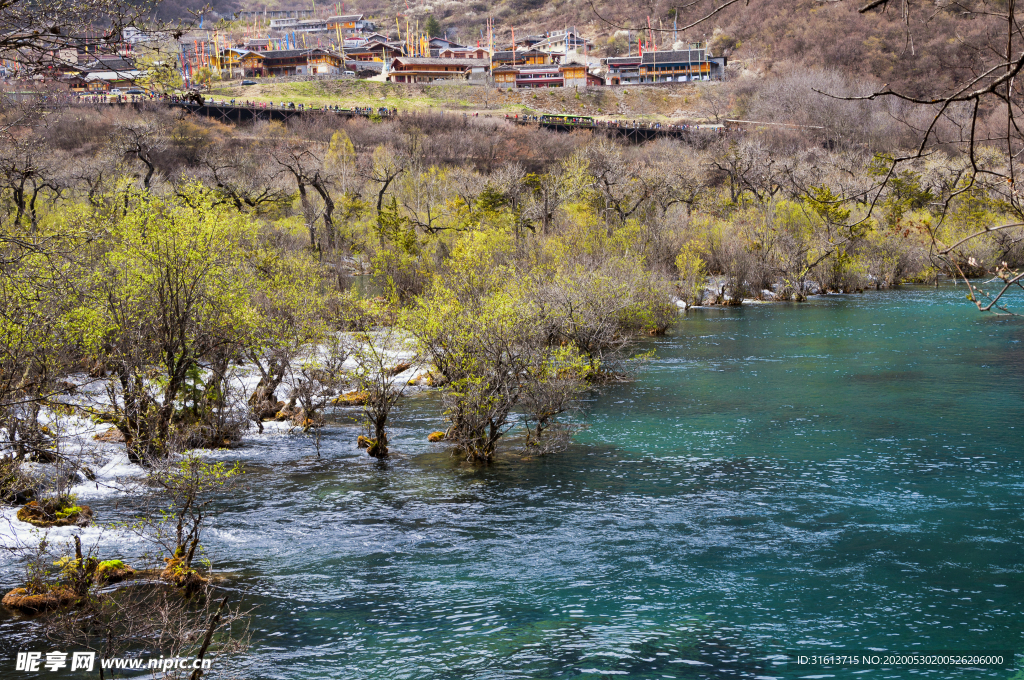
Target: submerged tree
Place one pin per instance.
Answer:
(378, 363)
(171, 294)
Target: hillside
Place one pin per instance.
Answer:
(642, 102)
(932, 47)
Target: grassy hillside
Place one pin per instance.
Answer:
(647, 103)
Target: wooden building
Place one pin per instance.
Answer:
(676, 66)
(301, 62)
(427, 70)
(350, 23)
(545, 75)
(374, 50)
(521, 57)
(462, 53)
(241, 61)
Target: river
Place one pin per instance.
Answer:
(840, 474)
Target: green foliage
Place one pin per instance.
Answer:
(433, 27)
(69, 511)
(692, 270)
(160, 73)
(183, 284)
(828, 205)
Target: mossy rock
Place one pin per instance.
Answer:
(435, 437)
(50, 514)
(24, 601)
(350, 399)
(183, 577)
(112, 571)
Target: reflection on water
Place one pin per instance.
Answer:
(842, 473)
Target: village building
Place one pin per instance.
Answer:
(623, 70)
(545, 75)
(437, 45)
(241, 62)
(462, 53)
(668, 66)
(300, 25)
(366, 68)
(665, 66)
(374, 50)
(103, 74)
(561, 42)
(267, 14)
(301, 62)
(350, 23)
(428, 70)
(257, 44)
(523, 57)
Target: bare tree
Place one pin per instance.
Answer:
(377, 360)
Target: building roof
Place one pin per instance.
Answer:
(519, 54)
(240, 52)
(289, 54)
(110, 63)
(370, 44)
(346, 17)
(622, 61)
(673, 56)
(448, 43)
(570, 38)
(432, 61)
(538, 67)
(376, 66)
(112, 75)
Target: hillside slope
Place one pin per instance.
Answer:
(933, 47)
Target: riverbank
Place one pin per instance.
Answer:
(779, 477)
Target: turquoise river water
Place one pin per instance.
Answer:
(841, 474)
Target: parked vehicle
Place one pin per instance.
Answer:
(116, 92)
(248, 82)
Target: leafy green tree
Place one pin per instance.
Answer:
(160, 73)
(483, 348)
(173, 292)
(205, 76)
(377, 357)
(433, 27)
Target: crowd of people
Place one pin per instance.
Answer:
(584, 121)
